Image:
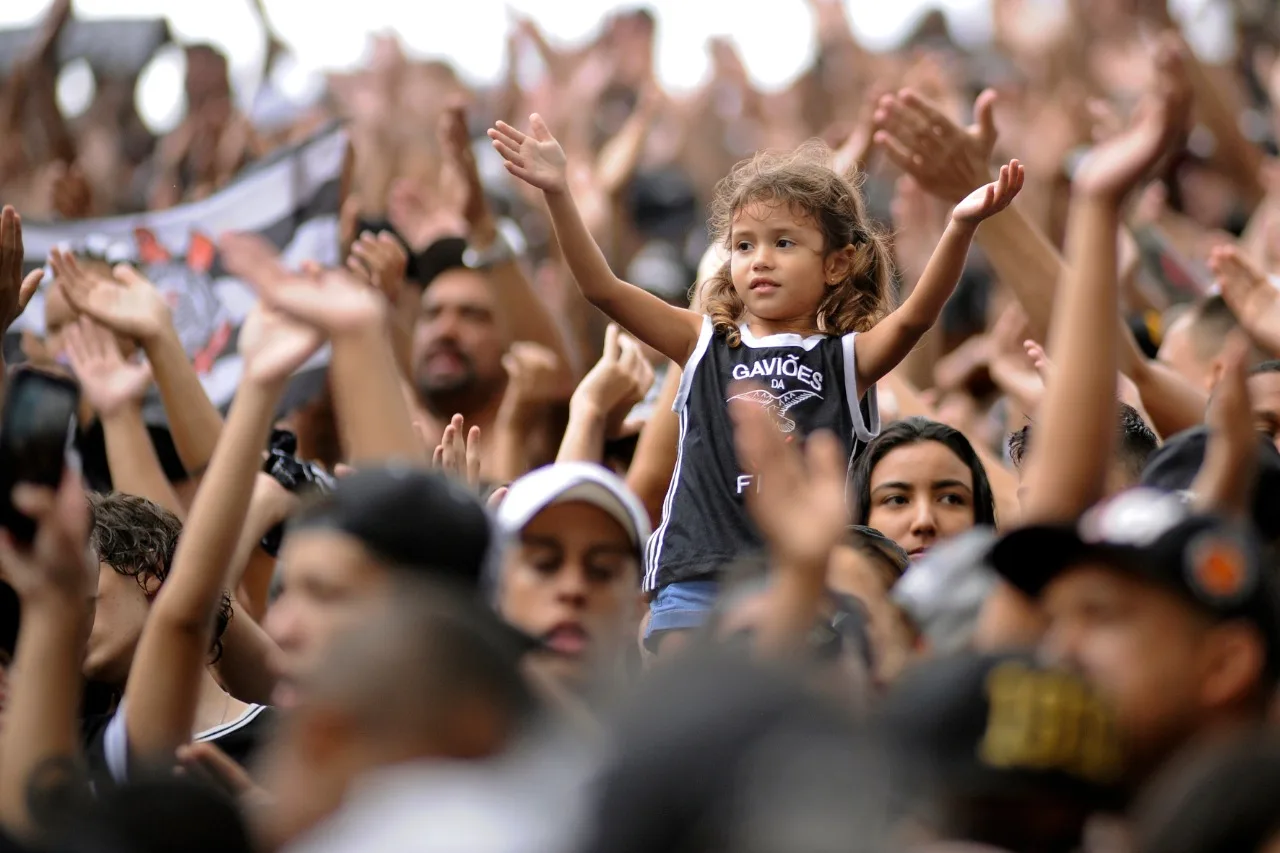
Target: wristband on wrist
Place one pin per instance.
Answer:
(498, 252)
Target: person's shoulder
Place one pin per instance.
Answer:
(241, 738)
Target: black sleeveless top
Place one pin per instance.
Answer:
(807, 384)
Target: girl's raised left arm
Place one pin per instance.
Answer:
(882, 348)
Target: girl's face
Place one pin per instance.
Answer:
(921, 493)
(779, 267)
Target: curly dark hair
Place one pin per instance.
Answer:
(804, 180)
(138, 538)
(1136, 442)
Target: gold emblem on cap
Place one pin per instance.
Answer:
(1044, 720)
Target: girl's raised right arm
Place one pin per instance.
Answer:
(538, 160)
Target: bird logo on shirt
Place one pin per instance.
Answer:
(777, 404)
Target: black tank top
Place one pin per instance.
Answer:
(806, 383)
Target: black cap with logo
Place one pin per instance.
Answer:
(417, 521)
(1174, 467)
(1215, 564)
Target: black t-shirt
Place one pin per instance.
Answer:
(807, 384)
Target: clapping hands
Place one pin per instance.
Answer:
(109, 382)
(127, 304)
(620, 379)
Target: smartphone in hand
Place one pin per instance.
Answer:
(37, 431)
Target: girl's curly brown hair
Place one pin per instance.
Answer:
(804, 180)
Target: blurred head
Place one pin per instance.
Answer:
(1264, 394)
(151, 814)
(999, 750)
(920, 482)
(425, 676)
(1135, 442)
(571, 576)
(840, 654)
(801, 246)
(458, 344)
(1172, 616)
(717, 751)
(865, 566)
(1192, 344)
(343, 549)
(134, 541)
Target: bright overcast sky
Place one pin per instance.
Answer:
(775, 36)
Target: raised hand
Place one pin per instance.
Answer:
(1230, 413)
(109, 383)
(537, 159)
(274, 345)
(798, 499)
(989, 200)
(15, 290)
(1117, 166)
(534, 376)
(56, 565)
(420, 216)
(333, 301)
(1009, 365)
(72, 195)
(128, 304)
(456, 456)
(1250, 295)
(381, 261)
(251, 258)
(946, 160)
(1039, 359)
(456, 145)
(618, 381)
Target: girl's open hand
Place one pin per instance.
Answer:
(987, 201)
(536, 159)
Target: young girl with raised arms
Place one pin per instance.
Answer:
(801, 309)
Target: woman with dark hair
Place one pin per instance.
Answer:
(920, 482)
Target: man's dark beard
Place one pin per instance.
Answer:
(463, 393)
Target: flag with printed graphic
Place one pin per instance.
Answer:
(292, 199)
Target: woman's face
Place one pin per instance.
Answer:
(120, 611)
(921, 493)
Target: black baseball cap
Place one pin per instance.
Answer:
(1216, 565)
(1173, 468)
(1001, 726)
(418, 521)
(413, 519)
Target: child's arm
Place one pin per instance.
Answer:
(882, 348)
(539, 161)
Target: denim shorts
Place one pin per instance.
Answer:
(680, 607)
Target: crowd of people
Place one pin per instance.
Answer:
(891, 462)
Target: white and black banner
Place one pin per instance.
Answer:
(291, 199)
